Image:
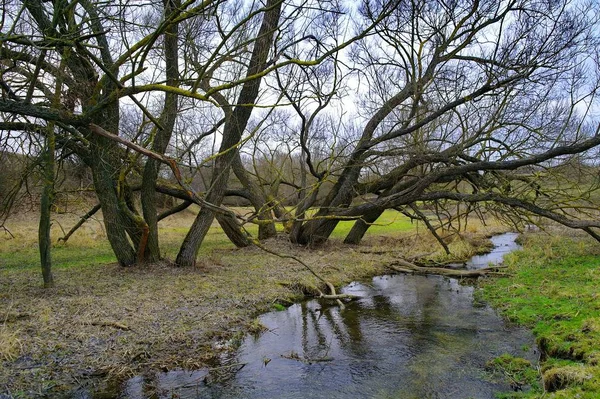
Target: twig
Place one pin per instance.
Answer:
(332, 293)
(7, 231)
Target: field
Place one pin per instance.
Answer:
(91, 247)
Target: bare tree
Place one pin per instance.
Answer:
(457, 93)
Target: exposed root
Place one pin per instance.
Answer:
(404, 266)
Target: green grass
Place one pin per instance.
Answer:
(89, 245)
(389, 222)
(553, 289)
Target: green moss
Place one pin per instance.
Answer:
(516, 371)
(279, 307)
(553, 288)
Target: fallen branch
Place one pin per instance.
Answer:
(332, 293)
(404, 266)
(339, 296)
(308, 360)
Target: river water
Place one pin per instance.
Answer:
(407, 337)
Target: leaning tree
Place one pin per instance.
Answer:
(466, 104)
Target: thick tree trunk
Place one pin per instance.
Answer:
(317, 230)
(232, 133)
(114, 220)
(161, 138)
(105, 164)
(361, 226)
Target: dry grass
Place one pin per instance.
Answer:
(105, 320)
(10, 344)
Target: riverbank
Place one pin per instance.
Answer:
(553, 289)
(103, 323)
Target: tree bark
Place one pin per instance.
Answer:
(360, 227)
(114, 221)
(266, 229)
(162, 136)
(233, 230)
(234, 127)
(46, 205)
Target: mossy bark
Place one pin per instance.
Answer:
(266, 229)
(115, 222)
(360, 227)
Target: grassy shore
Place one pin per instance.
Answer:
(103, 322)
(554, 288)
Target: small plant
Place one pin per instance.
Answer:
(518, 372)
(278, 307)
(255, 327)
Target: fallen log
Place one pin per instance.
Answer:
(404, 266)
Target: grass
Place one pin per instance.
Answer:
(553, 289)
(389, 222)
(105, 320)
(92, 248)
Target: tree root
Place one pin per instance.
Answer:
(404, 266)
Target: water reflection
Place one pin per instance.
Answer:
(503, 244)
(407, 337)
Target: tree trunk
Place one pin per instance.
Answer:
(318, 230)
(232, 133)
(161, 138)
(46, 205)
(233, 230)
(266, 229)
(361, 226)
(103, 172)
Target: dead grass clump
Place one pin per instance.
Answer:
(11, 346)
(562, 377)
